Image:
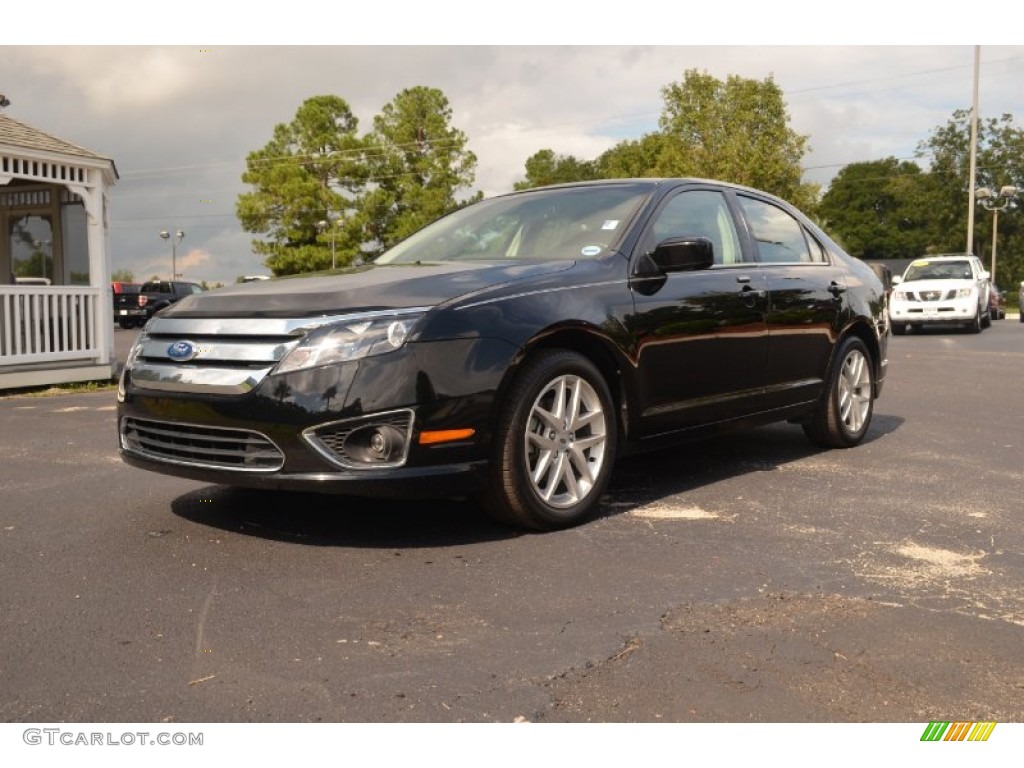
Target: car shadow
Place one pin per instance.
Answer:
(939, 330)
(648, 478)
(346, 521)
(330, 520)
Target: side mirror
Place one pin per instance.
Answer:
(985, 274)
(897, 279)
(683, 254)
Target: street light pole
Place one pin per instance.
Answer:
(995, 202)
(174, 249)
(323, 225)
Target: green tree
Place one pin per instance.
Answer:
(311, 171)
(418, 163)
(545, 167)
(633, 158)
(1000, 162)
(735, 130)
(122, 276)
(881, 209)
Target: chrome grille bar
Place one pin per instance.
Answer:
(216, 447)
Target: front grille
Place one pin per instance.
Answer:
(194, 445)
(934, 295)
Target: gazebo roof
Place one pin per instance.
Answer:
(15, 133)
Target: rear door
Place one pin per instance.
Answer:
(805, 301)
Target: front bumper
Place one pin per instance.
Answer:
(316, 429)
(439, 481)
(947, 312)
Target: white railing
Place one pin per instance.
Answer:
(39, 324)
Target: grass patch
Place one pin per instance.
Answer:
(50, 390)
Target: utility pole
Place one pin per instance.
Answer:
(972, 181)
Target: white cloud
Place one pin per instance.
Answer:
(179, 120)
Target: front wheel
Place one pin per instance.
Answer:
(555, 444)
(843, 415)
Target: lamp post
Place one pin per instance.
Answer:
(995, 202)
(322, 226)
(39, 245)
(175, 239)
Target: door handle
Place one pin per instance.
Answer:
(836, 289)
(746, 292)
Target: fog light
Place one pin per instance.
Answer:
(374, 444)
(367, 442)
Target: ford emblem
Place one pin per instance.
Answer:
(182, 351)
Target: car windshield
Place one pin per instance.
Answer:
(939, 270)
(552, 224)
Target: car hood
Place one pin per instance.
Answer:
(359, 289)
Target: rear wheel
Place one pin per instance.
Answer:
(554, 446)
(844, 413)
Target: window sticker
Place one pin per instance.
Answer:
(610, 224)
(921, 263)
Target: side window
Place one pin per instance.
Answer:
(698, 213)
(780, 238)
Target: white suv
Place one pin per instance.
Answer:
(941, 290)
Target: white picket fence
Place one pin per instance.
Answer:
(39, 324)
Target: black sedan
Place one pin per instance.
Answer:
(514, 348)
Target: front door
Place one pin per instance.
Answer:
(700, 337)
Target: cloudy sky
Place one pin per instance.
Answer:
(179, 119)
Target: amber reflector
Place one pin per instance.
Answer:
(445, 436)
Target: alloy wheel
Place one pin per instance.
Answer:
(565, 440)
(855, 391)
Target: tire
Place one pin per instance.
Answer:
(975, 325)
(554, 445)
(986, 320)
(126, 323)
(898, 329)
(843, 415)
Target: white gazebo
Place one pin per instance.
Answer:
(56, 313)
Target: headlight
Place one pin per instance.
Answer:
(135, 351)
(133, 355)
(351, 339)
(963, 293)
(901, 295)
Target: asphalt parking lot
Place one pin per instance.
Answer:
(748, 579)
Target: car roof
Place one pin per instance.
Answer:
(647, 181)
(946, 257)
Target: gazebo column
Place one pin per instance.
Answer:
(94, 200)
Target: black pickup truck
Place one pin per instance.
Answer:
(134, 309)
